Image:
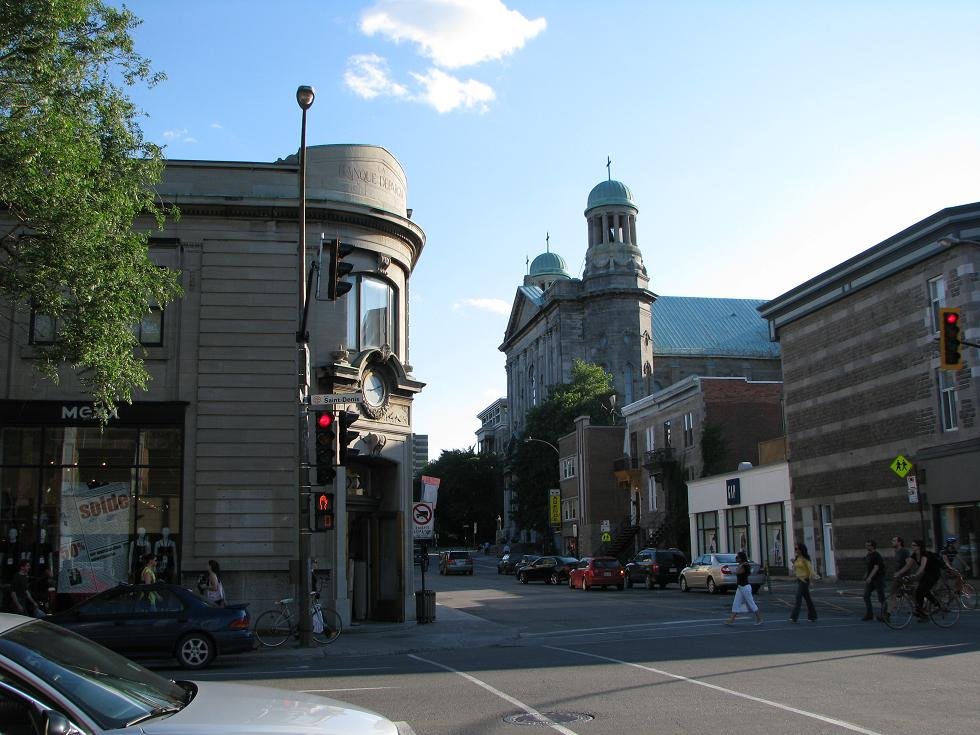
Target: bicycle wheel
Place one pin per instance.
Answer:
(332, 625)
(948, 611)
(901, 614)
(272, 628)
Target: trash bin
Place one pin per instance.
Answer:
(425, 606)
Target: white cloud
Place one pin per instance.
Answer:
(495, 306)
(446, 92)
(217, 126)
(453, 33)
(367, 75)
(179, 135)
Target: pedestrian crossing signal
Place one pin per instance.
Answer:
(322, 511)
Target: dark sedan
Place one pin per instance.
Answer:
(509, 563)
(547, 569)
(160, 620)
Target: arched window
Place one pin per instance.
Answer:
(371, 313)
(532, 390)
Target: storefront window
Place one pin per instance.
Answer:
(738, 530)
(707, 532)
(772, 531)
(962, 522)
(83, 505)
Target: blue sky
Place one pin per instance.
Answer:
(764, 142)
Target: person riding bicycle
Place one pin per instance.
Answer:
(928, 573)
(904, 566)
(949, 555)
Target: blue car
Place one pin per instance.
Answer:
(160, 621)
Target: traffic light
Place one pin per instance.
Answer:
(950, 357)
(322, 514)
(334, 252)
(346, 437)
(326, 447)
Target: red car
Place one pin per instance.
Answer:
(601, 571)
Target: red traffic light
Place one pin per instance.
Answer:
(952, 317)
(324, 420)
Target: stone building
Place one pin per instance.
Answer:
(863, 388)
(204, 464)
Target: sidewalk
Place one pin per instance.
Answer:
(451, 629)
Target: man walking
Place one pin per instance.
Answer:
(874, 577)
(20, 592)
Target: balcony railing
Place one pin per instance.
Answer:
(658, 457)
(625, 463)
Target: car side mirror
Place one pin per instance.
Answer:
(56, 723)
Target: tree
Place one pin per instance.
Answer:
(75, 173)
(469, 492)
(534, 464)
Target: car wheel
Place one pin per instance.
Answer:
(195, 651)
(522, 578)
(649, 582)
(619, 586)
(554, 579)
(712, 587)
(683, 584)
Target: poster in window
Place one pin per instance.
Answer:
(94, 546)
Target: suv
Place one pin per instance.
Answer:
(655, 567)
(455, 562)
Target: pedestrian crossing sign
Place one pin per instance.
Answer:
(901, 466)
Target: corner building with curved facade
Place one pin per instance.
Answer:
(204, 464)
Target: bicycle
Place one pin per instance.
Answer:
(274, 627)
(964, 590)
(902, 604)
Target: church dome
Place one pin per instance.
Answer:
(610, 193)
(548, 264)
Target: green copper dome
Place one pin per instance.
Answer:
(548, 264)
(610, 192)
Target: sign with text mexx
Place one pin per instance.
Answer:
(733, 491)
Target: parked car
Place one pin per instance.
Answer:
(55, 681)
(455, 562)
(655, 567)
(600, 571)
(509, 562)
(716, 572)
(548, 569)
(161, 620)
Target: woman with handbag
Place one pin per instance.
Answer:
(805, 573)
(215, 590)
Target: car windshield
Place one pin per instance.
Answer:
(726, 558)
(110, 689)
(605, 563)
(458, 555)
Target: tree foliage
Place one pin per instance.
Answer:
(469, 492)
(535, 464)
(75, 172)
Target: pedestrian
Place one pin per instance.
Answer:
(928, 573)
(805, 574)
(874, 577)
(215, 590)
(744, 602)
(149, 574)
(506, 549)
(20, 592)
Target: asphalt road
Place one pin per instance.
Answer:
(639, 661)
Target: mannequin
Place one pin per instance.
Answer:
(165, 551)
(11, 554)
(44, 559)
(139, 548)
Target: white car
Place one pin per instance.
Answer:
(56, 682)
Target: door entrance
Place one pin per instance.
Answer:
(828, 541)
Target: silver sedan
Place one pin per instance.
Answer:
(716, 572)
(55, 681)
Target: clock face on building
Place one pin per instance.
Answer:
(374, 389)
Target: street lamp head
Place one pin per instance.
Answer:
(304, 96)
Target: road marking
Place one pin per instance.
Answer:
(619, 627)
(723, 690)
(496, 692)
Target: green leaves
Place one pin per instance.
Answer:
(75, 174)
(470, 491)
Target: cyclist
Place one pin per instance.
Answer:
(928, 573)
(951, 560)
(903, 567)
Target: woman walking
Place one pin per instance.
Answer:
(744, 602)
(803, 568)
(215, 590)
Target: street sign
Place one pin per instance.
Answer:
(606, 537)
(901, 466)
(423, 518)
(604, 526)
(913, 485)
(554, 497)
(330, 399)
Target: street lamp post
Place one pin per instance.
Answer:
(304, 97)
(529, 439)
(556, 533)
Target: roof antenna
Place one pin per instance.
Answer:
(547, 241)
(608, 167)
(527, 261)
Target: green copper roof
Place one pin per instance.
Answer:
(610, 192)
(548, 264)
